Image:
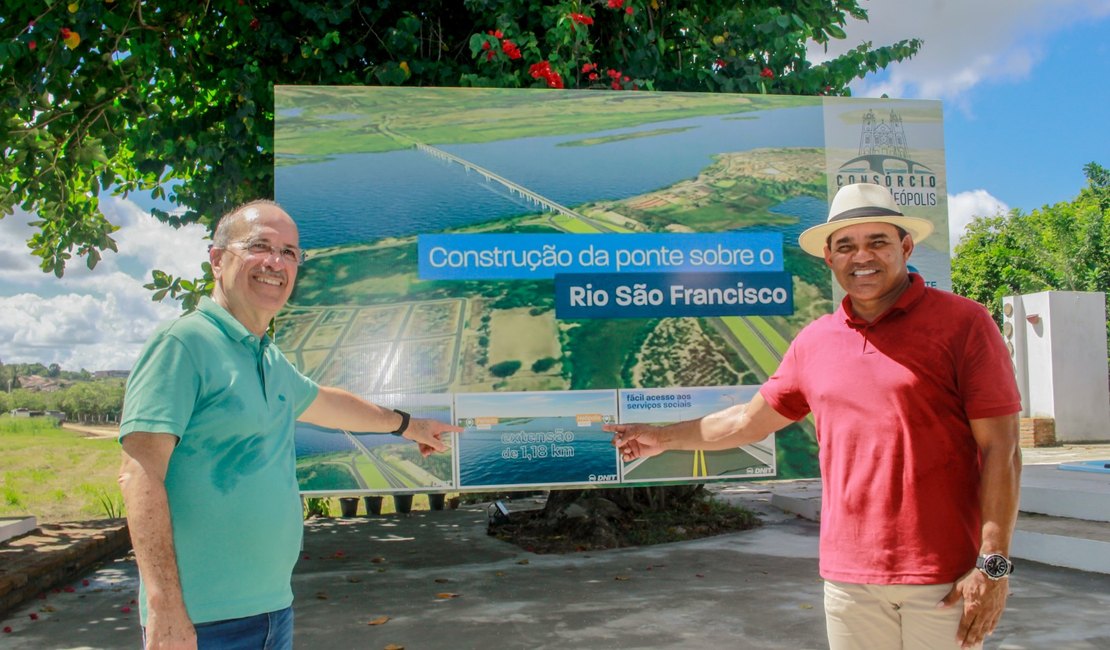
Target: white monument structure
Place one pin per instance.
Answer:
(1057, 341)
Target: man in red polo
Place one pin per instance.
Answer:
(916, 405)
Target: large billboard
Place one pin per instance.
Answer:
(531, 264)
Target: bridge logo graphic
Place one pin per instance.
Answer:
(883, 159)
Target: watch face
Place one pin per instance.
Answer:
(996, 566)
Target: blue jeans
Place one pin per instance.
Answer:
(272, 631)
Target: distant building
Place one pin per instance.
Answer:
(111, 374)
(59, 416)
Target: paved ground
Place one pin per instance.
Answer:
(443, 583)
(435, 580)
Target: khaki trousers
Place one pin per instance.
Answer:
(890, 617)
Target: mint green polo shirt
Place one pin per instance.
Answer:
(232, 400)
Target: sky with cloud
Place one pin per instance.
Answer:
(99, 319)
(1024, 90)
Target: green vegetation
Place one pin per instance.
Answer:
(1063, 247)
(107, 97)
(79, 395)
(326, 472)
(749, 339)
(589, 142)
(57, 475)
(505, 368)
(601, 348)
(796, 451)
(544, 364)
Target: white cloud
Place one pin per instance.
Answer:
(965, 43)
(98, 319)
(965, 206)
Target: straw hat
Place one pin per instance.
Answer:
(862, 203)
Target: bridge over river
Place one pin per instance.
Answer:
(519, 190)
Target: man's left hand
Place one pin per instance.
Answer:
(428, 434)
(984, 599)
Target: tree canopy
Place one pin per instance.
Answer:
(175, 97)
(1063, 247)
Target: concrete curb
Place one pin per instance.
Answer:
(52, 554)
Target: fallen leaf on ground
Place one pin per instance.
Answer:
(446, 594)
(354, 579)
(442, 580)
(381, 620)
(620, 578)
(377, 560)
(522, 562)
(394, 646)
(321, 595)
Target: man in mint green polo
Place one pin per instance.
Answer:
(208, 471)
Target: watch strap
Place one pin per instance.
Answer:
(404, 422)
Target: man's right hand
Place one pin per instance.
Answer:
(636, 440)
(170, 632)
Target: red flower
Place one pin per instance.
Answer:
(616, 85)
(255, 25)
(554, 80)
(613, 74)
(626, 79)
(489, 56)
(496, 33)
(485, 45)
(582, 19)
(593, 76)
(767, 73)
(510, 49)
(64, 33)
(32, 45)
(586, 67)
(541, 69)
(721, 63)
(616, 4)
(7, 629)
(628, 10)
(34, 616)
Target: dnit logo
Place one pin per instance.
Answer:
(883, 160)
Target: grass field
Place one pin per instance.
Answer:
(55, 474)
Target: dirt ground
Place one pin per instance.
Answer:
(92, 430)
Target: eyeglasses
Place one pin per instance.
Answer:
(258, 247)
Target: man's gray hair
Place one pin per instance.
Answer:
(228, 223)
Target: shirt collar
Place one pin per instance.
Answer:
(910, 297)
(228, 324)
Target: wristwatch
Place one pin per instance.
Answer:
(404, 422)
(994, 566)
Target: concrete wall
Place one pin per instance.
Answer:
(1057, 341)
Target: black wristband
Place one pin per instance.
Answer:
(404, 422)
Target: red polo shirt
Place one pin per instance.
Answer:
(891, 400)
